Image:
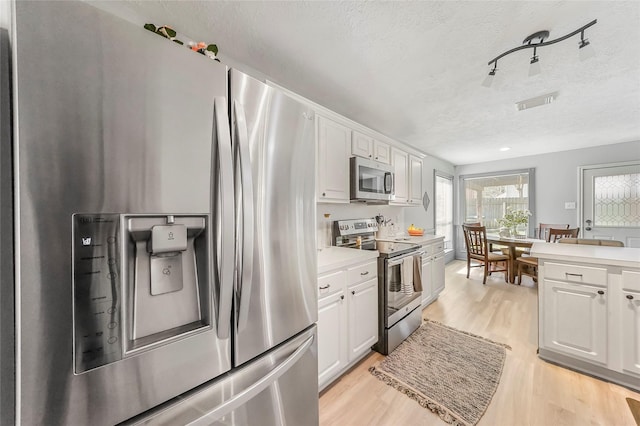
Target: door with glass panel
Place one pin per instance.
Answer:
(611, 202)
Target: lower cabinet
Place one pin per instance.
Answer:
(332, 336)
(589, 319)
(630, 321)
(363, 317)
(347, 318)
(575, 320)
(432, 271)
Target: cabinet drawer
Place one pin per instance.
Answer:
(331, 283)
(438, 247)
(428, 251)
(575, 273)
(362, 273)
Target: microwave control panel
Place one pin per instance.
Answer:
(96, 291)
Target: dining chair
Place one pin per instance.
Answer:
(557, 234)
(528, 265)
(475, 238)
(542, 233)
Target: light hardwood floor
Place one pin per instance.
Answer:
(531, 391)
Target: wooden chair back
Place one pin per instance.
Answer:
(591, 242)
(543, 229)
(475, 238)
(558, 234)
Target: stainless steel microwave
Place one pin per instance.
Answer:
(371, 181)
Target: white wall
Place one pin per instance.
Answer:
(556, 176)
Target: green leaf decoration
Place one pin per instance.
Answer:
(161, 33)
(150, 27)
(170, 32)
(212, 48)
(179, 42)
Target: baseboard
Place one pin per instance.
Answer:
(627, 380)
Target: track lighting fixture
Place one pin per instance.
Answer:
(585, 50)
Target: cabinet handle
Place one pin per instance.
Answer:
(364, 273)
(600, 292)
(353, 292)
(369, 155)
(324, 287)
(573, 275)
(630, 297)
(342, 297)
(324, 194)
(376, 158)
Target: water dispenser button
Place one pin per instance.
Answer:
(168, 238)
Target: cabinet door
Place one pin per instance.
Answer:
(332, 337)
(361, 145)
(334, 149)
(381, 152)
(415, 180)
(438, 274)
(363, 317)
(575, 320)
(427, 281)
(630, 322)
(399, 161)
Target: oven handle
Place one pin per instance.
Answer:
(399, 260)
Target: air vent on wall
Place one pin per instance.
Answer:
(537, 101)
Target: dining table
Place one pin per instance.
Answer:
(511, 244)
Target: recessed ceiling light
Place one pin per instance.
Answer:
(505, 148)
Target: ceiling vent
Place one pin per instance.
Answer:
(537, 101)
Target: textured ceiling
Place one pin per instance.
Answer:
(413, 70)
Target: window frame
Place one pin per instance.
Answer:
(443, 175)
(462, 201)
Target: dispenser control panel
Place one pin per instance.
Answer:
(96, 290)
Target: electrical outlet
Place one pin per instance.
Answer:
(570, 205)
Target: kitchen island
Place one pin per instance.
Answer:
(589, 309)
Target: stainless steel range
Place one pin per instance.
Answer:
(399, 279)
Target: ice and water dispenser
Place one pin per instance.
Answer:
(139, 281)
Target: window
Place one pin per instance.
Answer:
(444, 208)
(485, 198)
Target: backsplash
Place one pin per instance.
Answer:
(355, 211)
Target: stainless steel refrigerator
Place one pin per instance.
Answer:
(157, 231)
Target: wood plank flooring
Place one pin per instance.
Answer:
(531, 391)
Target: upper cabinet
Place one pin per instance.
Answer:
(365, 146)
(415, 180)
(408, 178)
(334, 150)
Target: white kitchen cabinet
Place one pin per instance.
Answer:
(363, 317)
(334, 150)
(366, 146)
(588, 309)
(415, 180)
(408, 178)
(575, 319)
(432, 270)
(332, 336)
(630, 321)
(427, 282)
(347, 318)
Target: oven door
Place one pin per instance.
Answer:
(403, 285)
(371, 180)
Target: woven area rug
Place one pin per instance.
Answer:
(452, 373)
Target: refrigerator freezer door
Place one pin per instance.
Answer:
(278, 388)
(280, 299)
(115, 121)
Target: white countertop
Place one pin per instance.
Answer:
(425, 239)
(615, 256)
(338, 257)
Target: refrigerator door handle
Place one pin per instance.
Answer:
(245, 214)
(242, 397)
(225, 212)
